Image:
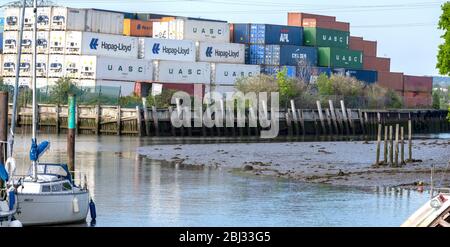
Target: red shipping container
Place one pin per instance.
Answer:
(418, 83)
(417, 99)
(390, 80)
(377, 63)
(296, 19)
(335, 25)
(370, 48)
(356, 43)
(231, 33)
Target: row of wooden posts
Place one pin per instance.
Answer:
(394, 147)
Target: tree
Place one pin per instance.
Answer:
(286, 87)
(436, 100)
(60, 92)
(443, 56)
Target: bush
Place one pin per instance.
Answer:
(163, 100)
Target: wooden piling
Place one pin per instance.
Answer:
(97, 119)
(391, 146)
(333, 116)
(289, 122)
(350, 120)
(57, 121)
(409, 141)
(378, 145)
(295, 117)
(155, 120)
(361, 121)
(397, 128)
(71, 128)
(138, 120)
(402, 147)
(172, 129)
(322, 123)
(146, 116)
(386, 130)
(3, 126)
(119, 120)
(330, 125)
(344, 116)
(302, 121)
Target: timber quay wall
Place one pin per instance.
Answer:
(114, 120)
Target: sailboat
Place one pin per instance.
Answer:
(8, 206)
(47, 195)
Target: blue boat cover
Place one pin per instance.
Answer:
(3, 173)
(59, 170)
(37, 151)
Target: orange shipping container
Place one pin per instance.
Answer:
(296, 19)
(415, 99)
(390, 80)
(137, 28)
(418, 83)
(377, 63)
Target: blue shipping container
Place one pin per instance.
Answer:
(367, 76)
(282, 55)
(2, 24)
(266, 34)
(273, 70)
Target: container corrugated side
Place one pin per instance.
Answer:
(325, 37)
(340, 58)
(99, 21)
(137, 28)
(391, 80)
(418, 83)
(68, 19)
(182, 72)
(228, 74)
(267, 34)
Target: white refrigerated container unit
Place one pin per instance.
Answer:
(57, 42)
(182, 72)
(12, 16)
(9, 65)
(64, 18)
(27, 42)
(44, 15)
(42, 65)
(43, 42)
(167, 49)
(72, 66)
(87, 43)
(56, 67)
(10, 41)
(23, 81)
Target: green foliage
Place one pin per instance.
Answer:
(325, 85)
(162, 100)
(443, 56)
(436, 100)
(130, 101)
(60, 92)
(393, 100)
(4, 87)
(257, 84)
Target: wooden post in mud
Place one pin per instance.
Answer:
(333, 116)
(295, 116)
(319, 110)
(97, 119)
(378, 144)
(361, 121)
(155, 120)
(302, 120)
(57, 122)
(391, 146)
(119, 119)
(330, 127)
(3, 125)
(71, 129)
(409, 140)
(402, 147)
(146, 117)
(138, 120)
(344, 115)
(397, 128)
(386, 144)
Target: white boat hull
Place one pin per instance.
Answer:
(52, 209)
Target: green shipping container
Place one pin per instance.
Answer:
(325, 37)
(340, 58)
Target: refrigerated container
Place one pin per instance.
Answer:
(27, 42)
(42, 65)
(64, 18)
(10, 41)
(325, 37)
(102, 21)
(166, 49)
(228, 74)
(108, 68)
(182, 72)
(87, 43)
(9, 65)
(186, 29)
(43, 42)
(220, 52)
(57, 42)
(72, 66)
(12, 16)
(137, 28)
(26, 64)
(29, 19)
(126, 87)
(42, 83)
(340, 58)
(44, 15)
(267, 34)
(56, 66)
(23, 81)
(282, 55)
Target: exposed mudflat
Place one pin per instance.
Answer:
(339, 163)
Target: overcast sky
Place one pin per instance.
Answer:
(406, 31)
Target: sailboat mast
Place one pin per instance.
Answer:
(34, 84)
(16, 84)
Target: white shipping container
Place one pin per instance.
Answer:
(10, 41)
(228, 74)
(99, 21)
(43, 42)
(108, 68)
(57, 42)
(26, 65)
(126, 87)
(41, 83)
(11, 19)
(23, 81)
(27, 42)
(72, 66)
(221, 52)
(182, 72)
(1, 64)
(56, 66)
(29, 19)
(64, 18)
(42, 65)
(183, 29)
(86, 43)
(9, 65)
(166, 49)
(44, 15)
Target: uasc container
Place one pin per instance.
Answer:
(182, 72)
(267, 34)
(221, 52)
(325, 37)
(228, 74)
(340, 58)
(167, 49)
(185, 29)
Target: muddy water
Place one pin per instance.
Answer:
(130, 190)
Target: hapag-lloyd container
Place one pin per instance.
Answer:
(87, 43)
(221, 52)
(137, 28)
(57, 42)
(182, 72)
(418, 83)
(267, 34)
(228, 74)
(325, 37)
(273, 70)
(390, 80)
(340, 58)
(377, 63)
(56, 66)
(367, 76)
(12, 16)
(185, 29)
(10, 41)
(108, 68)
(126, 87)
(282, 55)
(167, 49)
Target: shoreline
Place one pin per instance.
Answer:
(334, 163)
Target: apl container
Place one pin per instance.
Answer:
(367, 76)
(282, 55)
(182, 72)
(167, 49)
(267, 34)
(185, 29)
(137, 28)
(221, 52)
(10, 40)
(87, 43)
(325, 37)
(340, 58)
(108, 68)
(273, 70)
(228, 74)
